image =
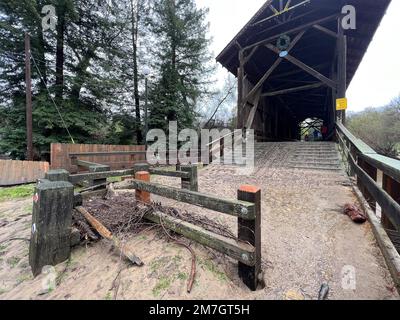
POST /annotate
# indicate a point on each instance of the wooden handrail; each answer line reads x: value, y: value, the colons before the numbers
x: 388, y: 166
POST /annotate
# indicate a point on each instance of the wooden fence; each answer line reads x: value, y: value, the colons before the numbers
x: 60, y: 155
x: 13, y: 172
x: 57, y: 190
x: 365, y: 164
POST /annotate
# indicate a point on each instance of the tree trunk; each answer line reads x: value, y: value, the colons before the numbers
x: 60, y: 50
x: 135, y: 31
x: 40, y: 56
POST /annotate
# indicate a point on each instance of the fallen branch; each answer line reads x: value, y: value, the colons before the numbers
x: 106, y: 234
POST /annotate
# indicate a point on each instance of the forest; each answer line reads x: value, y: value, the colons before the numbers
x: 88, y: 72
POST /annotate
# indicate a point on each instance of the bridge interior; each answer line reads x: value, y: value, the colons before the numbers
x: 293, y: 59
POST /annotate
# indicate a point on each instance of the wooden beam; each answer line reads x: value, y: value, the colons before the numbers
x: 305, y: 67
x: 279, y: 12
x: 272, y: 68
x: 253, y: 111
x: 240, y: 251
x: 240, y: 79
x: 76, y: 178
x: 169, y: 173
x: 231, y: 207
x: 291, y: 90
x: 342, y: 68
x: 294, y: 30
x: 248, y: 57
x: 325, y: 30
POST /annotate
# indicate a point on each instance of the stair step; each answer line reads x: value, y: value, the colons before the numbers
x: 317, y: 168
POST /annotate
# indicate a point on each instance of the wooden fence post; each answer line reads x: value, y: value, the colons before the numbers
x: 57, y: 175
x: 249, y: 231
x: 392, y: 187
x: 142, y: 196
x: 51, y: 224
x: 373, y: 173
x: 190, y: 183
x: 101, y: 168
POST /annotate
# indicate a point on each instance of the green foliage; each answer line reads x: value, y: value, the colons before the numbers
x: 90, y: 70
x: 162, y: 284
x: 182, y: 62
x: 19, y: 192
x: 380, y: 128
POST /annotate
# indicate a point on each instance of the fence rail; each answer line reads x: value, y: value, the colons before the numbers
x: 378, y: 181
x: 57, y: 189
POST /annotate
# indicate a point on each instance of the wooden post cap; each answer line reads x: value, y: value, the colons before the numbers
x: 249, y: 188
x: 143, y: 176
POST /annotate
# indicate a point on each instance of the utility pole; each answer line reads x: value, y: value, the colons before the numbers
x: 28, y: 81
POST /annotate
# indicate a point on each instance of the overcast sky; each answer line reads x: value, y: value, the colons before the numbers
x: 376, y: 82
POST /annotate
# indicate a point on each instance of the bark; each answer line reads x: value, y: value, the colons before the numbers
x: 135, y: 31
x: 60, y: 50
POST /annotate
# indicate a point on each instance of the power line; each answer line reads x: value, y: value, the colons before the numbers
x: 48, y: 91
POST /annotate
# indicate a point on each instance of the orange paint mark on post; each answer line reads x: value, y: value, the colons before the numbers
x: 249, y: 188
x: 143, y: 196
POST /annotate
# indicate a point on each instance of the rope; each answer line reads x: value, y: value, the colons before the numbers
x: 55, y: 104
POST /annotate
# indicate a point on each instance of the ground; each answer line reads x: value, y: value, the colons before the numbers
x: 306, y: 241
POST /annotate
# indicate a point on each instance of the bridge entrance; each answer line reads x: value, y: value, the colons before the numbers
x: 293, y: 60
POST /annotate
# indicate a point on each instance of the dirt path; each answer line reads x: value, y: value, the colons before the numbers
x: 306, y: 241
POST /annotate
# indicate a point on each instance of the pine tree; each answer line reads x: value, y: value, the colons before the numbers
x: 181, y: 64
x: 82, y: 63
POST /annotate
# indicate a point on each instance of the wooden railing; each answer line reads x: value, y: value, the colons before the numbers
x: 55, y: 198
x: 378, y: 181
x: 362, y: 161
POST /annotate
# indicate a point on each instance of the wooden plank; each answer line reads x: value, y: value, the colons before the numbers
x: 360, y: 145
x: 388, y: 205
x: 76, y: 178
x: 389, y: 166
x: 235, y: 208
x: 239, y: 251
x: 292, y: 90
x: 167, y: 173
x: 15, y: 172
x: 96, y: 153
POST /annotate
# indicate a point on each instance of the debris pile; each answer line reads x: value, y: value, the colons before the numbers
x: 355, y: 213
x: 119, y: 216
x: 124, y: 216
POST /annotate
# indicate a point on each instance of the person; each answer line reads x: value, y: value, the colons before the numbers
x: 315, y: 135
x: 307, y: 137
x: 324, y: 131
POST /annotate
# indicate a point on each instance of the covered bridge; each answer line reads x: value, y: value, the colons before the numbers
x: 295, y: 58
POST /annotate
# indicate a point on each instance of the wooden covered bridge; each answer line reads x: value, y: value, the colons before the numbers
x: 294, y: 58
x: 293, y: 61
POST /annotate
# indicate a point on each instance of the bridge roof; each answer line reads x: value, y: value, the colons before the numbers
x: 316, y: 49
